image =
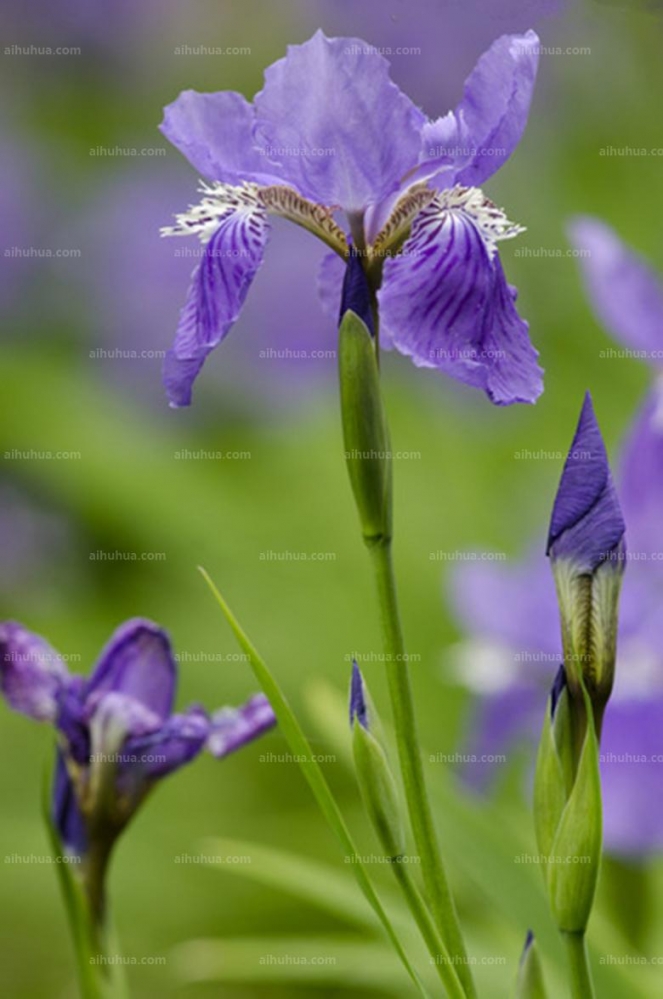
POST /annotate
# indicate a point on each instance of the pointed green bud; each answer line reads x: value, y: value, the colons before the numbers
x: 365, y: 432
x: 529, y: 983
x: 567, y: 810
x: 374, y: 776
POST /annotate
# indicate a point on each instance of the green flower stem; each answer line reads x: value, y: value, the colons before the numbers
x: 444, y: 964
x: 437, y: 888
x: 582, y: 986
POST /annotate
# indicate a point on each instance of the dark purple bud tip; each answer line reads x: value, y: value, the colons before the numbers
x: 356, y: 292
x: 357, y: 698
x: 557, y: 689
x: 587, y: 526
x: 529, y: 940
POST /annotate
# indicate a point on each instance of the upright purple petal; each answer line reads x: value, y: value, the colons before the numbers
x: 358, y: 706
x: 625, y: 291
x: 587, y: 523
x: 32, y: 674
x: 445, y: 303
x: 220, y: 284
x: 137, y: 662
x: 65, y: 813
x: 233, y: 728
x: 470, y: 144
x: 339, y: 128
x: 215, y: 133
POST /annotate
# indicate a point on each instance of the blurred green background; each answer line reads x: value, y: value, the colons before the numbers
x: 125, y: 491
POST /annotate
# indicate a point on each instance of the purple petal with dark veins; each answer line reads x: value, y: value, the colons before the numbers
x: 587, y: 525
x: 32, y: 674
x: 471, y: 143
x: 340, y: 129
x: 137, y: 662
x: 232, y: 728
x: 445, y: 303
x: 625, y: 291
x: 219, y: 287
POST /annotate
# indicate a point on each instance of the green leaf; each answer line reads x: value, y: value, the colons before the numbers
x: 299, y: 745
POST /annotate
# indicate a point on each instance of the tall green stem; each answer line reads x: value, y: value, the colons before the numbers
x: 582, y: 986
x: 437, y: 887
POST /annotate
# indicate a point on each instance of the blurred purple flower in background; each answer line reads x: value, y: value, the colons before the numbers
x: 117, y: 733
x: 331, y: 131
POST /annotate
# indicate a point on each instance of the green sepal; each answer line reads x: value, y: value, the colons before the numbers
x: 379, y: 791
x: 365, y: 432
x: 530, y: 983
x: 572, y: 886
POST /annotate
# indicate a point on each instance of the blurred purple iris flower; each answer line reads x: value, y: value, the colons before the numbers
x: 329, y: 133
x: 117, y: 734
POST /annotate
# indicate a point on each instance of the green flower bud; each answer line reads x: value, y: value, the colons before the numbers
x: 529, y: 984
x: 376, y: 781
x: 365, y: 433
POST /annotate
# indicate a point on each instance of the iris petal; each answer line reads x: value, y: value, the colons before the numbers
x: 32, y: 674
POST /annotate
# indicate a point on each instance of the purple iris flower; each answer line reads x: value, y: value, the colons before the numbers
x: 510, y: 613
x: 117, y: 734
x: 333, y: 145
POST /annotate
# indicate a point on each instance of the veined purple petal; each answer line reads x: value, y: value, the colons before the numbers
x: 215, y: 133
x: 219, y: 287
x: 470, y: 144
x: 233, y: 728
x: 358, y: 708
x: 137, y: 662
x: 32, y: 674
x: 65, y: 813
x: 587, y: 525
x: 178, y: 741
x: 339, y: 128
x: 445, y: 303
x: 625, y: 291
